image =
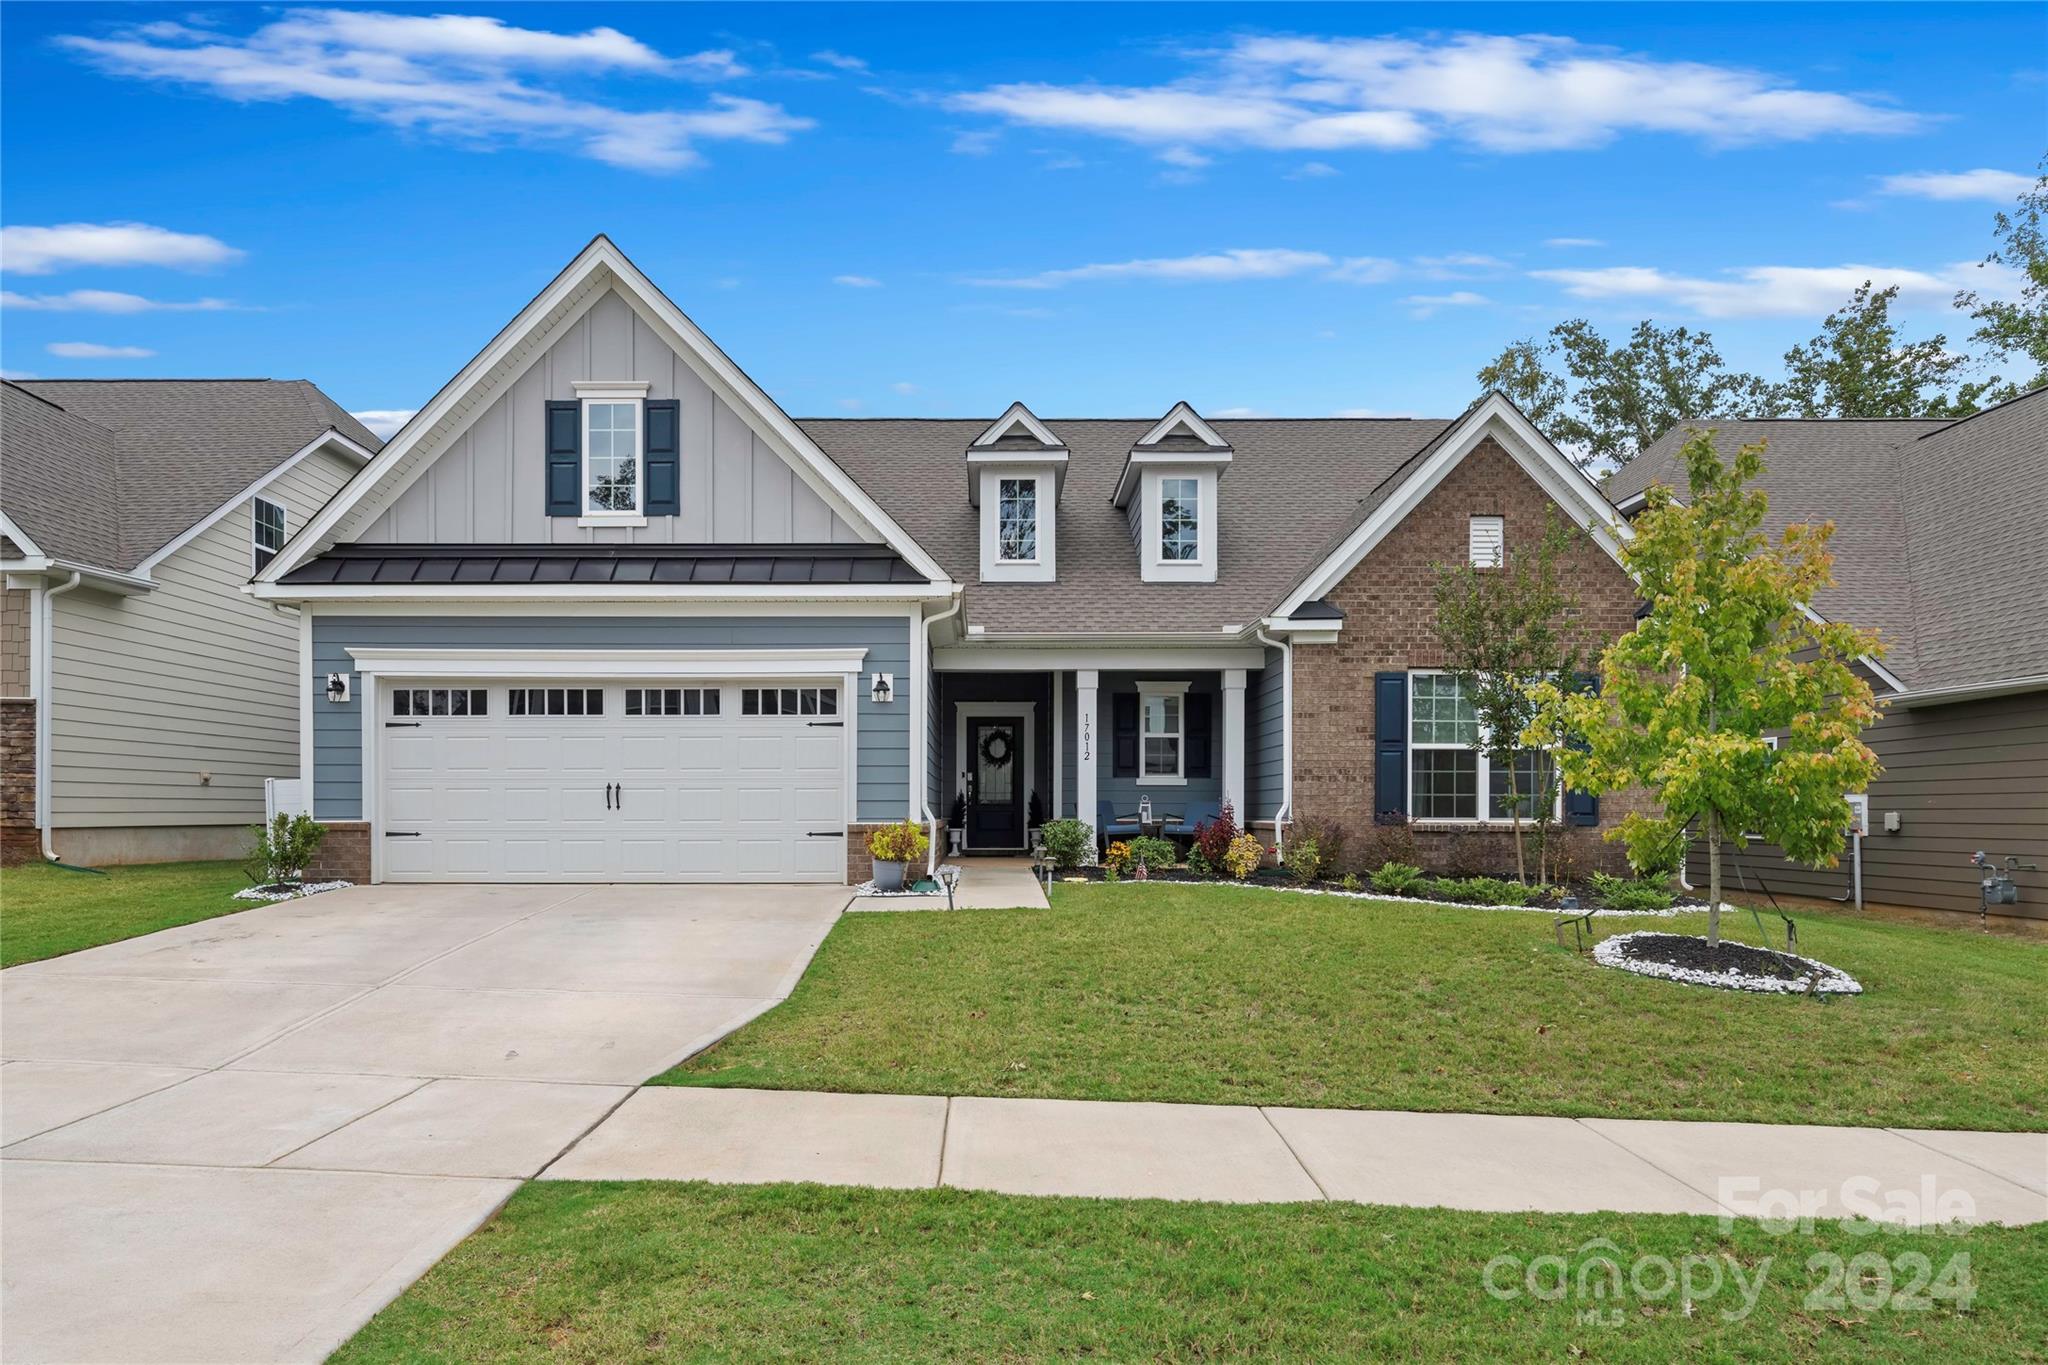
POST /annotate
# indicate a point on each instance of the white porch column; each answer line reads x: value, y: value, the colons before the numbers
x: 1085, y: 722
x: 1059, y: 721
x: 1233, y: 744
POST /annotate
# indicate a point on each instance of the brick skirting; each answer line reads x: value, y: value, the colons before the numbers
x: 344, y: 854
x: 860, y: 867
x: 19, y: 841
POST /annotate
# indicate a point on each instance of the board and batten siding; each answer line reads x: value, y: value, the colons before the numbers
x: 196, y: 678
x: 882, y: 766
x: 488, y: 486
x: 1966, y: 776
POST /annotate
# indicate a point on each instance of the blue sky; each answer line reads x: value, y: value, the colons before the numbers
x: 933, y: 210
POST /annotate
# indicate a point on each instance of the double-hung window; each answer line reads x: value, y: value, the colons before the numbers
x: 267, y: 537
x: 1162, y: 736
x: 1017, y: 521
x: 1180, y: 520
x: 611, y: 457
x: 1450, y: 775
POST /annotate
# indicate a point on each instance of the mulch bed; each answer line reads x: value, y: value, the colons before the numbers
x: 1727, y: 965
x: 1278, y: 878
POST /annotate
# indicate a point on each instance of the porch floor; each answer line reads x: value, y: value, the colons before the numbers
x: 985, y: 884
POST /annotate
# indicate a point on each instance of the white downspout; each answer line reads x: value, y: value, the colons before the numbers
x: 1286, y: 648
x: 44, y: 640
x: 926, y: 685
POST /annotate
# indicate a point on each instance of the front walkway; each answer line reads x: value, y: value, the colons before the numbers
x: 985, y: 884
x: 1485, y: 1162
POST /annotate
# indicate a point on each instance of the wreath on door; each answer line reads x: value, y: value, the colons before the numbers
x: 995, y: 749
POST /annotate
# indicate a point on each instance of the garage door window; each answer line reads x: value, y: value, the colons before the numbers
x: 440, y: 701
x: 671, y: 701
x: 789, y: 701
x: 556, y: 701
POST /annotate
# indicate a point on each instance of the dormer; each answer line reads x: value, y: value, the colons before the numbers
x: 1168, y: 493
x: 1015, y: 471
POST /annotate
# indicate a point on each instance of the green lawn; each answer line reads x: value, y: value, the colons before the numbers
x: 631, y: 1272
x: 1254, y: 997
x: 46, y: 911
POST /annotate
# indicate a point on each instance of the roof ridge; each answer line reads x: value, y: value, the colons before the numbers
x: 2014, y: 401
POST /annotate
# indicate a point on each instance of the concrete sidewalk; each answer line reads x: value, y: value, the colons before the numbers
x: 1487, y: 1162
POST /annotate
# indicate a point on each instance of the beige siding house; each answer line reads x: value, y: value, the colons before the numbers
x: 147, y: 696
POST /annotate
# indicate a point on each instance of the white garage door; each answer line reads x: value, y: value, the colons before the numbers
x: 656, y: 782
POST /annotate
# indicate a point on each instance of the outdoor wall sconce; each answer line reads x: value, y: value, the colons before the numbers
x: 881, y: 687
x: 337, y: 687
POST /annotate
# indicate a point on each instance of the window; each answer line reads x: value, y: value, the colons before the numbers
x: 1487, y: 542
x: 1180, y: 502
x: 671, y: 701
x: 1450, y: 778
x: 556, y: 701
x: 268, y: 535
x: 1160, y: 735
x: 611, y: 457
x: 440, y: 701
x: 789, y: 701
x: 1017, y: 520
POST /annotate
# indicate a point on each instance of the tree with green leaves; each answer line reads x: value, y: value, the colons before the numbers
x: 1726, y: 654
x: 1859, y: 366
x: 1503, y: 629
x: 2017, y: 329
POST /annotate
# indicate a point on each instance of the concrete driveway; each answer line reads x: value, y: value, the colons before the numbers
x: 236, y: 1140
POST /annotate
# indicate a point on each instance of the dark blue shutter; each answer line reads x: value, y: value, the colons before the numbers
x: 664, y: 458
x: 1390, y: 769
x: 1583, y: 808
x: 564, y: 459
x: 1123, y: 709
x: 1200, y: 720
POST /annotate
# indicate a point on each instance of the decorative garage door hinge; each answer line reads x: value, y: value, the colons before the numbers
x: 401, y: 725
x: 401, y: 834
x: 827, y: 834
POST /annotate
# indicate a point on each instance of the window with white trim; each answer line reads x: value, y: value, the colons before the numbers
x: 440, y: 701
x: 611, y: 457
x: 267, y: 531
x: 789, y: 701
x: 555, y: 701
x: 1487, y: 542
x: 1450, y: 776
x: 671, y: 701
x: 1180, y: 520
x: 1161, y: 736
x: 1017, y: 521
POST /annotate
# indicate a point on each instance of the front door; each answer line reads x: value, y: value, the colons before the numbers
x: 995, y: 783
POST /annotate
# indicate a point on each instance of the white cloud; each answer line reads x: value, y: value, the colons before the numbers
x: 1996, y: 186
x: 93, y: 350
x: 106, y: 301
x: 1427, y: 305
x: 1313, y: 170
x: 1778, y: 290
x: 857, y: 281
x: 903, y: 387
x: 1240, y: 412
x: 1502, y: 94
x: 451, y: 76
x: 1570, y: 242
x: 385, y: 422
x: 1184, y: 157
x: 1269, y: 263
x: 978, y: 142
x: 41, y: 250
x: 1458, y: 265
x: 851, y: 404
x: 17, y: 374
x: 1365, y: 270
x: 840, y: 60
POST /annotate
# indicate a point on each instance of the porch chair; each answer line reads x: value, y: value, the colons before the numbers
x: 1183, y: 825
x: 1109, y: 827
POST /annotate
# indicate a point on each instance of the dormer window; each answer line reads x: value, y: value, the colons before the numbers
x: 1168, y: 490
x: 1014, y: 472
x: 1017, y: 521
x: 1180, y: 520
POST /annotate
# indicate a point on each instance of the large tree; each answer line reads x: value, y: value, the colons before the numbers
x: 1859, y: 366
x: 1725, y: 655
x: 2017, y: 329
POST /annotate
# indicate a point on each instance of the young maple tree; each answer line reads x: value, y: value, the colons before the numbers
x: 1726, y: 654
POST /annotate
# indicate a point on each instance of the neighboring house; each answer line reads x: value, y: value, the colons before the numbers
x: 146, y: 695
x: 602, y: 611
x: 1941, y: 546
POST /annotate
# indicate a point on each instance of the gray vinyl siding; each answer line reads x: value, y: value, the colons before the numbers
x: 487, y: 487
x: 1265, y: 720
x: 196, y: 677
x: 883, y: 735
x: 1123, y: 793
x: 1967, y: 776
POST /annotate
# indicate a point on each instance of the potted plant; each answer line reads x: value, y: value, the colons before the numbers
x: 893, y: 847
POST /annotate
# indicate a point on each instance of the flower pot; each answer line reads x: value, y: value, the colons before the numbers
x: 888, y: 875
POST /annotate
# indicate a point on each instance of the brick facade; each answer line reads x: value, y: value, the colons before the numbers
x: 344, y: 854
x: 19, y: 842
x: 860, y: 867
x: 1389, y: 605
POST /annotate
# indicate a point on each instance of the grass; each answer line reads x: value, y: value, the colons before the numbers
x: 631, y: 1272
x: 46, y: 911
x: 1238, y: 996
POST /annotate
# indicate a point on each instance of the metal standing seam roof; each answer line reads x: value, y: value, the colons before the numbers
x: 531, y: 565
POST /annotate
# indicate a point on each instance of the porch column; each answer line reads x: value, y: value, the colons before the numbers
x: 1084, y: 747
x: 1233, y: 744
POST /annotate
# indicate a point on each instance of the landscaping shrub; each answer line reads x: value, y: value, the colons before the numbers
x: 1398, y: 879
x: 1619, y: 893
x: 1116, y: 859
x: 1501, y: 891
x: 1198, y: 862
x: 903, y: 842
x: 1474, y: 853
x: 1326, y: 837
x: 1213, y: 837
x: 1243, y: 856
x: 1155, y: 854
x: 1068, y: 842
x: 283, y: 849
x: 1393, y: 842
x: 1350, y: 882
x: 1304, y: 857
x: 1568, y: 855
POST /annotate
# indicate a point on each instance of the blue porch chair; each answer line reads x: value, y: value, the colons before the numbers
x: 1109, y: 827
x: 1195, y: 813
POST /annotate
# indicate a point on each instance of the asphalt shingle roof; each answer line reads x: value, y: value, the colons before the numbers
x: 107, y: 472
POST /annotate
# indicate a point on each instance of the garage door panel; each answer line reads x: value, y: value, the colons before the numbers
x: 817, y: 807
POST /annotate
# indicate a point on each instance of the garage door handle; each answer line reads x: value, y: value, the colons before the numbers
x: 825, y: 834
x: 619, y: 794
x: 828, y: 724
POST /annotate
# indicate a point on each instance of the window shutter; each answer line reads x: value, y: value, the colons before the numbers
x: 1390, y: 771
x: 1123, y: 707
x: 564, y: 459
x: 1583, y: 808
x: 664, y: 458
x: 1198, y: 722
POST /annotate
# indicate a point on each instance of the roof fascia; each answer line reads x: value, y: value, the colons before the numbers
x: 1945, y: 696
x: 602, y: 592
x: 1018, y: 415
x: 12, y: 530
x: 1184, y: 411
x: 1135, y: 462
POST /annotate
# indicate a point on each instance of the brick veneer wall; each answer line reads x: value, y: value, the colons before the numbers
x: 344, y: 854
x: 19, y: 842
x: 860, y: 867
x: 1389, y: 604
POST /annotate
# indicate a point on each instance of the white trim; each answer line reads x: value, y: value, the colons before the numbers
x: 1138, y: 461
x: 996, y: 659
x: 1884, y: 675
x: 1286, y: 807
x: 673, y: 593
x: 1179, y: 413
x: 100, y: 580
x: 1019, y: 478
x: 589, y: 395
x: 610, y: 390
x: 599, y: 265
x: 1482, y: 769
x: 1087, y: 778
x: 611, y: 664
x: 849, y: 758
x: 326, y: 440
x: 1178, y: 690
x: 1059, y: 720
x: 1234, y: 772
x: 997, y: 710
x: 612, y: 520
x: 12, y: 530
x: 306, y: 706
x: 1564, y: 482
x: 1044, y: 566
x: 285, y: 525
x: 1154, y: 566
x: 1014, y: 416
x: 1942, y: 696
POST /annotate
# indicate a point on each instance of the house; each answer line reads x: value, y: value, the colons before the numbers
x: 144, y: 697
x: 603, y: 611
x: 1941, y: 547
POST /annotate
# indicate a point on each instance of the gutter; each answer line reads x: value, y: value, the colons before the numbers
x: 924, y: 691
x: 1940, y: 696
x: 44, y: 617
x: 1286, y: 648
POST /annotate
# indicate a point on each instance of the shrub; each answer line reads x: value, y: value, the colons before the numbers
x: 1198, y: 862
x: 1392, y: 842
x: 1566, y: 849
x: 1475, y: 853
x: 1304, y: 857
x: 1243, y: 856
x: 1068, y: 842
x: 1117, y: 857
x: 1350, y: 882
x: 1214, y: 837
x: 1326, y: 837
x: 1154, y: 853
x: 1398, y: 879
x: 1501, y: 891
x: 283, y: 848
x: 902, y: 842
x: 1619, y: 893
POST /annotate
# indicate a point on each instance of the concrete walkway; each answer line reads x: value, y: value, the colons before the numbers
x: 1258, y: 1155
x: 985, y: 884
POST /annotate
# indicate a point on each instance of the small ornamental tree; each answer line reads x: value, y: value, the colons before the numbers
x: 1725, y: 655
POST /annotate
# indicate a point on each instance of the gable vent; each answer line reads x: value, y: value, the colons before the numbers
x: 1488, y: 542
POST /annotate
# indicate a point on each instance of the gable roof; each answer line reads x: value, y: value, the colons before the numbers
x: 106, y: 472
x: 1938, y: 538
